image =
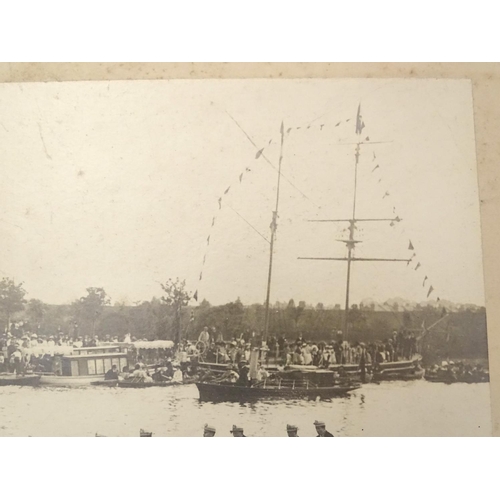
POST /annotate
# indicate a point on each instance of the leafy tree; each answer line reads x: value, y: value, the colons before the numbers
x: 36, y: 311
x: 88, y: 309
x: 11, y: 299
x: 176, y: 297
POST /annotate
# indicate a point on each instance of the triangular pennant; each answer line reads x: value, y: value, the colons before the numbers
x: 367, y: 138
x: 195, y: 296
x: 270, y: 140
x: 386, y: 194
x: 425, y: 279
x: 288, y: 131
x: 410, y: 246
x: 259, y: 152
x: 241, y: 176
x: 321, y: 126
x: 418, y: 265
x: 201, y: 275
x: 338, y: 124
x: 378, y: 166
x: 208, y: 240
x: 431, y: 289
x: 227, y: 190
x: 220, y: 203
x: 204, y: 258
x: 213, y: 222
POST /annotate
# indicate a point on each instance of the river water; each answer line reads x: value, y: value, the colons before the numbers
x: 416, y: 408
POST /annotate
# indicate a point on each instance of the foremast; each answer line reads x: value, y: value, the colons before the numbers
x: 274, y: 227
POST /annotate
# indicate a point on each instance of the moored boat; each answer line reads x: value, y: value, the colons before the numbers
x: 14, y: 379
x: 85, y: 368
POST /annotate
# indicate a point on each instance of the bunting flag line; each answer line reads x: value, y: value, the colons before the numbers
x: 410, y: 246
x: 418, y: 265
x: 431, y: 289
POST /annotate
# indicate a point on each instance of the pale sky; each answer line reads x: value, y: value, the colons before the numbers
x: 116, y: 185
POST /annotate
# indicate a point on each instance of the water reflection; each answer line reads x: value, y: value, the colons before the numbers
x: 393, y: 408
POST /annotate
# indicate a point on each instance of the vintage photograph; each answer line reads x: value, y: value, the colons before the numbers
x: 232, y: 258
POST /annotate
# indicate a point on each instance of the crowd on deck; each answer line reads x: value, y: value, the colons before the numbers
x: 399, y: 346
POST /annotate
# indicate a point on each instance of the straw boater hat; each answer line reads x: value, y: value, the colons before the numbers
x: 319, y: 423
x: 291, y: 427
x: 236, y: 429
x: 209, y: 428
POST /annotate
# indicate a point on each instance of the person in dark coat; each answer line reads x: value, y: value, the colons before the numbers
x: 112, y: 374
x: 321, y: 429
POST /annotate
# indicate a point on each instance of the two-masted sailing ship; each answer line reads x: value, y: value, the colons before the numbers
x: 310, y: 381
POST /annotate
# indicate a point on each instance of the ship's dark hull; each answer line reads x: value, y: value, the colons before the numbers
x: 230, y: 392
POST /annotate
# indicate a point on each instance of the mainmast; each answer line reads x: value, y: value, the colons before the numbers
x: 351, y: 242
x: 274, y: 226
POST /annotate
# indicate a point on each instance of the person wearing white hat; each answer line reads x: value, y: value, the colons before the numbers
x: 321, y: 429
x: 208, y: 431
x: 292, y: 430
x: 237, y: 432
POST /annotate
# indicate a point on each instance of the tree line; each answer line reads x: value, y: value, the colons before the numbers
x: 175, y: 315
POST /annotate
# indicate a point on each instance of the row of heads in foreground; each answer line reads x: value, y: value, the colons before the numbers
x: 236, y: 431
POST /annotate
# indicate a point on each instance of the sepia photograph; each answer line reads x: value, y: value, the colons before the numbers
x: 241, y: 258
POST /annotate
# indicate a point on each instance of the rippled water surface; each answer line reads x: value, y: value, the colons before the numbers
x: 415, y: 408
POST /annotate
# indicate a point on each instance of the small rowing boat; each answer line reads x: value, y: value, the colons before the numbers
x: 213, y: 391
